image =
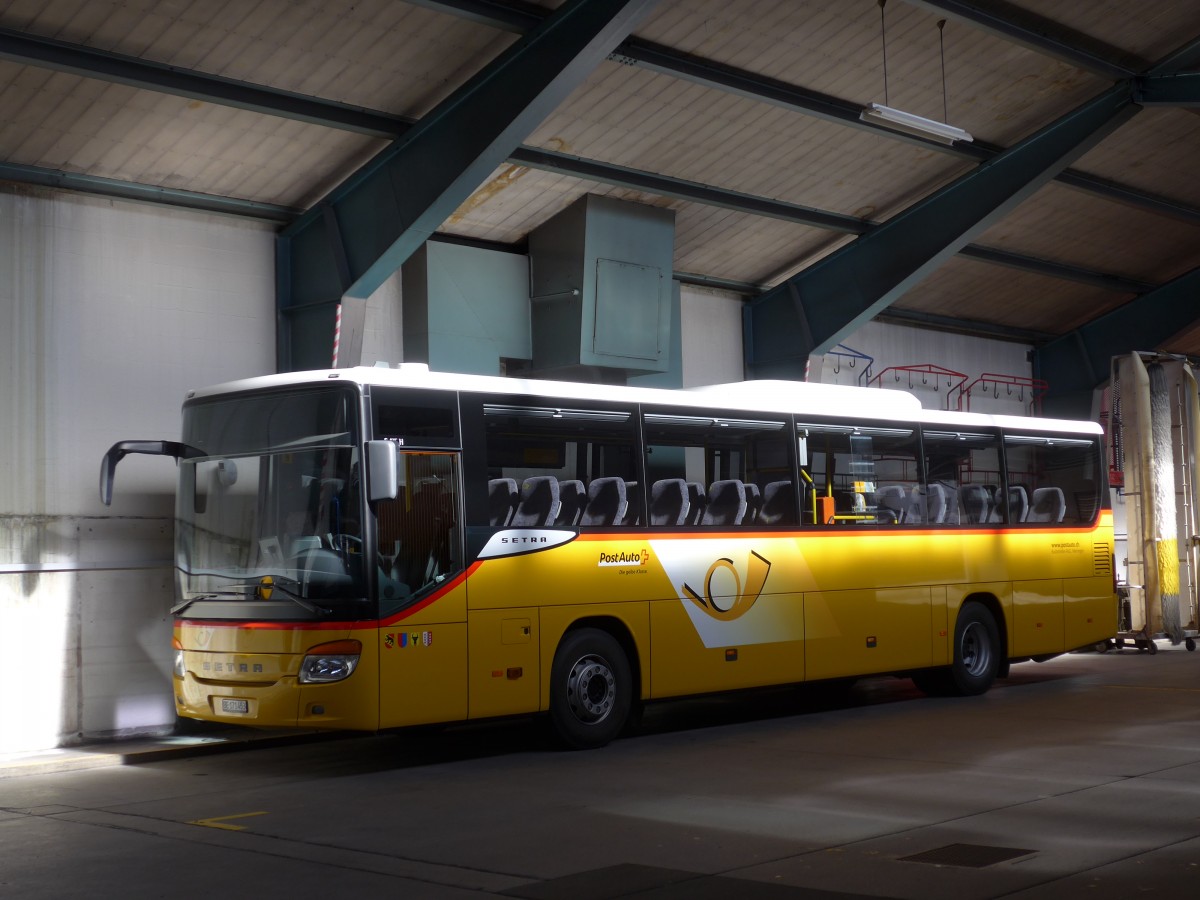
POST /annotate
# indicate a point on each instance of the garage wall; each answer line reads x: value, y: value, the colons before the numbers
x: 893, y: 346
x: 109, y: 312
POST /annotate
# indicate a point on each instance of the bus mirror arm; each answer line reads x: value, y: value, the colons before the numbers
x: 121, y: 449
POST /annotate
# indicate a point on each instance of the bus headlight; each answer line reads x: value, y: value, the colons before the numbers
x: 178, y: 657
x: 334, y: 661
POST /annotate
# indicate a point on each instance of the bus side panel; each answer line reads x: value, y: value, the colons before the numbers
x: 1037, y: 619
x: 631, y: 617
x: 505, y: 677
x: 683, y: 664
x: 939, y: 626
x: 862, y: 632
x: 422, y: 673
x: 1090, y: 610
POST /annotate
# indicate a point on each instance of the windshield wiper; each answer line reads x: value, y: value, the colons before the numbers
x: 180, y: 607
x: 301, y: 601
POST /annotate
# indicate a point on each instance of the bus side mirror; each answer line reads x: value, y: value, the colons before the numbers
x: 382, y: 461
x: 119, y: 450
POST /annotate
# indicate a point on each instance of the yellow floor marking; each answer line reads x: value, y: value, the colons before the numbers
x: 218, y: 821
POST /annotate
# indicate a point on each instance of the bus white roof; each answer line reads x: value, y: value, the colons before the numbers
x: 766, y: 396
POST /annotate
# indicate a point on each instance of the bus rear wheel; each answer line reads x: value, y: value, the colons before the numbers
x: 976, y: 656
x: 591, y: 689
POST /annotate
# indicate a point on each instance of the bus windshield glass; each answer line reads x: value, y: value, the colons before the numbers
x: 269, y: 507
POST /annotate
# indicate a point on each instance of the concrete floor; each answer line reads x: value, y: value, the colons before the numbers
x: 1075, y: 778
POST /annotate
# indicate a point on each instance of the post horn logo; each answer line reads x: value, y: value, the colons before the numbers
x: 732, y: 605
x: 266, y: 587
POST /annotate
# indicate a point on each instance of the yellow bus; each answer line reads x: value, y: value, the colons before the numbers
x: 373, y: 548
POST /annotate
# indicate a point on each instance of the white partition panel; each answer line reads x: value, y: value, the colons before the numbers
x: 109, y: 312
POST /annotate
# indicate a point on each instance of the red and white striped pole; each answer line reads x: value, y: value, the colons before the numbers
x: 337, y: 334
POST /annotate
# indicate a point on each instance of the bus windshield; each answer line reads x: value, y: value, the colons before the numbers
x: 268, y: 513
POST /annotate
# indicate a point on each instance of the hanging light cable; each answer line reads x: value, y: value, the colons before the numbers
x: 942, y: 53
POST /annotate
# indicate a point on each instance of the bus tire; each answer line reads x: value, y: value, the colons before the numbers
x: 976, y: 651
x: 977, y: 659
x: 591, y: 688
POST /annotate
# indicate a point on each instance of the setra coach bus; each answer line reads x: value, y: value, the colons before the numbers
x: 372, y: 548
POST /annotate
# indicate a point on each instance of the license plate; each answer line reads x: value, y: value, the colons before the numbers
x: 235, y: 706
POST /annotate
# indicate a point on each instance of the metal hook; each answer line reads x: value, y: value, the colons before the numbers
x: 1008, y: 389
x: 996, y: 393
x: 837, y: 365
x: 852, y: 361
x: 924, y: 378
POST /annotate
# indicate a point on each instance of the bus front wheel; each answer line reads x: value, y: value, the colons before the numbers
x: 590, y: 689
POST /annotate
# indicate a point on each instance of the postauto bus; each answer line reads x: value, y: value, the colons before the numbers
x: 372, y: 548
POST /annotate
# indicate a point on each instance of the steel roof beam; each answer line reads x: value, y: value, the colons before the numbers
x: 1180, y: 60
x: 1033, y: 31
x: 1077, y: 363
x: 834, y: 297
x: 130, y: 190
x: 1169, y: 90
x: 146, y: 75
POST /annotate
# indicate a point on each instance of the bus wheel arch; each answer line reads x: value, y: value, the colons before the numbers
x: 979, y: 646
x: 978, y: 654
x: 593, y: 684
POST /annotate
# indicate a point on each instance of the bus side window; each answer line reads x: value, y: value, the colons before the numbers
x: 862, y: 475
x: 1052, y: 479
x: 717, y: 469
x: 965, y: 467
x: 558, y: 467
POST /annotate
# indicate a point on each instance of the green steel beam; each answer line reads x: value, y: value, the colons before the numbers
x: 1042, y: 35
x: 130, y: 190
x: 831, y: 299
x: 1169, y: 90
x: 152, y: 76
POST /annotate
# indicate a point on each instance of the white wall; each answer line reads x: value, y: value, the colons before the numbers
x: 711, y: 328
x: 109, y: 312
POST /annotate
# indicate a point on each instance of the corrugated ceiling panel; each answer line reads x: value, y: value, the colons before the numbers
x: 1150, y: 29
x: 379, y: 54
x: 636, y: 118
x: 1155, y: 151
x: 997, y: 90
x: 1070, y: 226
x: 113, y: 131
x: 972, y: 290
x: 1187, y: 341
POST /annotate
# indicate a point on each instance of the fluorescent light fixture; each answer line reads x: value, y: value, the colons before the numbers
x: 898, y: 120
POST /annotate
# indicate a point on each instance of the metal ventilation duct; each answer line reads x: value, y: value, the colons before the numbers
x: 600, y: 289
